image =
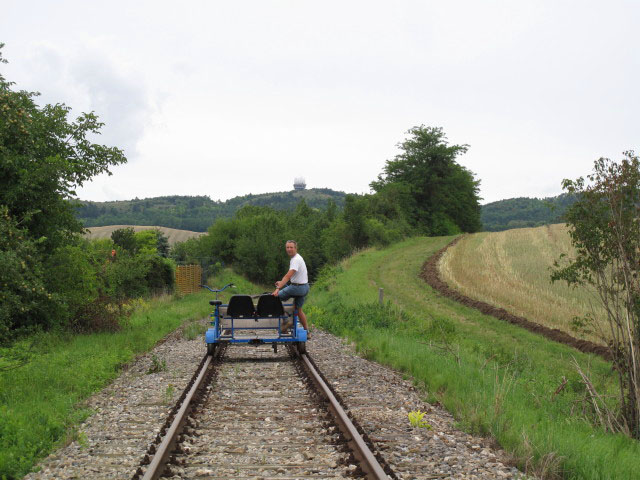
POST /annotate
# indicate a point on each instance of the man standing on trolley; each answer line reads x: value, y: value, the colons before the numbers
x: 298, y: 287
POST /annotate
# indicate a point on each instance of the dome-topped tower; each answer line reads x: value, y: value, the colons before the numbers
x: 299, y: 183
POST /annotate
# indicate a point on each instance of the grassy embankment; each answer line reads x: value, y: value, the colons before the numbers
x: 510, y: 269
x: 41, y: 401
x: 497, y: 379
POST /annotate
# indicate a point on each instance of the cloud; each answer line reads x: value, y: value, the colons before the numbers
x: 88, y: 80
x: 118, y: 99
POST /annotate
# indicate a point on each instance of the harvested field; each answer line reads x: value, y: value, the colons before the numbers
x: 431, y: 274
x: 511, y: 270
x: 173, y: 234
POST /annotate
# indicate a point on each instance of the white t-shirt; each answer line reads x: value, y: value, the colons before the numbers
x: 297, y: 264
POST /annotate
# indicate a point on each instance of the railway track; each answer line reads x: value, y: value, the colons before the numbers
x: 250, y: 413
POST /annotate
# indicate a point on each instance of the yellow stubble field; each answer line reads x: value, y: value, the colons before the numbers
x: 173, y: 234
x: 511, y: 269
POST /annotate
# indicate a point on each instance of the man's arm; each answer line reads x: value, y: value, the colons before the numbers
x: 283, y: 282
x: 285, y: 279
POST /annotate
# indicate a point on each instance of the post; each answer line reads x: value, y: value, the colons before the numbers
x: 381, y: 296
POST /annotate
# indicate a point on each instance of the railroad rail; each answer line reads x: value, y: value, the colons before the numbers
x: 249, y: 413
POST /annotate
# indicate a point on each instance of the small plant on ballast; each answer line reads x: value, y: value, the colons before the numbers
x: 157, y: 365
x: 416, y: 420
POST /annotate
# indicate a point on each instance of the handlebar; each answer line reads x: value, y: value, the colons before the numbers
x: 229, y: 285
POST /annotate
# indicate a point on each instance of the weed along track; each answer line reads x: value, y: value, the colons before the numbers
x: 260, y: 414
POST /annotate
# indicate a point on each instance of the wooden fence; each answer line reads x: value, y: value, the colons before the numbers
x: 188, y: 278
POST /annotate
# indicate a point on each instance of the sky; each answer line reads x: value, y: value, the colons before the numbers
x: 237, y: 97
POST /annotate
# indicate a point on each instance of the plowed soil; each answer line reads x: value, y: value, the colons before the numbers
x: 431, y: 275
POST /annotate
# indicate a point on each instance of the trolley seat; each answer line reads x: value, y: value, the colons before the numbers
x: 241, y: 321
x: 241, y: 314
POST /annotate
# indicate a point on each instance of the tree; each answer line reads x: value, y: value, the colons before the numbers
x: 125, y: 238
x: 442, y: 195
x: 44, y: 157
x: 604, y: 225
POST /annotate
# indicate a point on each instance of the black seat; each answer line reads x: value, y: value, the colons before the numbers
x: 270, y: 306
x: 241, y: 306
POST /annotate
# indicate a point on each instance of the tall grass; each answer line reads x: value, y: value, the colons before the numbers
x: 40, y: 400
x: 511, y: 269
x: 496, y: 378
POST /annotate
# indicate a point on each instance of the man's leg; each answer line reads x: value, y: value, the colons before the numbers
x: 303, y: 319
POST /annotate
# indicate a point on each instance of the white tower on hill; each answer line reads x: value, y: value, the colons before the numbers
x: 299, y: 183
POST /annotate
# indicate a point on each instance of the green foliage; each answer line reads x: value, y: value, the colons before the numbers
x: 24, y: 299
x: 440, y: 196
x: 146, y: 242
x: 162, y: 244
x: 41, y: 401
x: 196, y: 213
x: 253, y: 241
x: 125, y: 238
x: 74, y: 281
x: 157, y: 365
x: 416, y: 419
x: 525, y: 212
x: 605, y: 231
x: 44, y: 157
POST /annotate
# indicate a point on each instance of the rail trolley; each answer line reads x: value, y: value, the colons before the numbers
x: 253, y: 320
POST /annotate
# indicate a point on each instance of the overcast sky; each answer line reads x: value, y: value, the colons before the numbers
x: 230, y: 98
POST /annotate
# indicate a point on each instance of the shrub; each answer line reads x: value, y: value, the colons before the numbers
x: 25, y: 302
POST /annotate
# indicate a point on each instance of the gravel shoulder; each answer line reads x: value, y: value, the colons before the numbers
x: 380, y: 400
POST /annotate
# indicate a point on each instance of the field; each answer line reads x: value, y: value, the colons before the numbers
x: 497, y: 379
x: 511, y: 269
x: 174, y: 235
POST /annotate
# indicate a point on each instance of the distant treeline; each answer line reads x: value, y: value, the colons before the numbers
x: 524, y: 212
x: 196, y: 213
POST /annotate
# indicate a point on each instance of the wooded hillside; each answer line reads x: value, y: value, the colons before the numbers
x: 195, y: 213
x: 524, y: 212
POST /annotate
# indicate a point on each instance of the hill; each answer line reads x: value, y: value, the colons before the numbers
x: 524, y: 212
x: 194, y: 213
x: 174, y: 235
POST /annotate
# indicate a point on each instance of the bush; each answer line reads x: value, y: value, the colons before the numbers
x: 73, y: 280
x: 25, y: 302
x: 160, y: 276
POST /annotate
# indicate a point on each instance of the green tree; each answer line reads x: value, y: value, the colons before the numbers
x: 146, y: 242
x: 125, y: 238
x: 440, y: 195
x: 44, y: 157
x: 605, y: 230
x: 162, y: 244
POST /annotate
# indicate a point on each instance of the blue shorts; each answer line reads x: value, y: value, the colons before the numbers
x: 298, y: 292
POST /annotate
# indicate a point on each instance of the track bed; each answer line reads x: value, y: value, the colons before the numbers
x: 259, y: 419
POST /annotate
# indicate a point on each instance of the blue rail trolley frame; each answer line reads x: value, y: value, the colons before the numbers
x: 227, y: 326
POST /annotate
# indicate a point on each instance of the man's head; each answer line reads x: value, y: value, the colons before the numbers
x: 292, y: 247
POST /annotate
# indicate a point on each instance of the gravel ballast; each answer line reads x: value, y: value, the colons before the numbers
x: 130, y: 411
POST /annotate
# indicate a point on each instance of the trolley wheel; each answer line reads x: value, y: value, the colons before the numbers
x: 302, y: 347
x: 211, y: 349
